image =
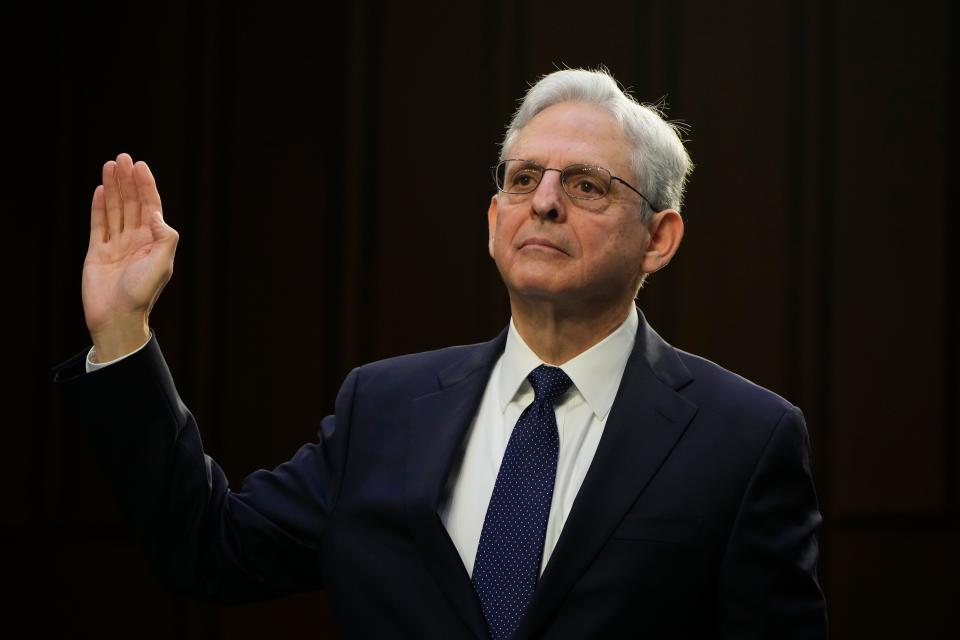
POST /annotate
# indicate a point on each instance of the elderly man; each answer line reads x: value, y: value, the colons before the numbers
x: 575, y: 477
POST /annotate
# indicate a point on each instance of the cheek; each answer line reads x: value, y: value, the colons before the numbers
x: 620, y: 251
x: 505, y: 230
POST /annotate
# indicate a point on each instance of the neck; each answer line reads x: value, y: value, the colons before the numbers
x: 557, y: 335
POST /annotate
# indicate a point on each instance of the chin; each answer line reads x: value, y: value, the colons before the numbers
x: 537, y: 281
x: 544, y: 290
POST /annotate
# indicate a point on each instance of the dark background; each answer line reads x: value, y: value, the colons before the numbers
x: 287, y: 142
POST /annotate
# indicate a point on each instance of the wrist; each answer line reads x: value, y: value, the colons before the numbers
x: 123, y: 336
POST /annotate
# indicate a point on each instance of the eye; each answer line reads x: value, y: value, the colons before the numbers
x: 586, y: 187
x: 521, y: 176
x: 523, y: 179
x: 586, y: 182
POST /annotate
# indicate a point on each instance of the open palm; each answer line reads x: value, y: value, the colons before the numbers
x: 130, y: 255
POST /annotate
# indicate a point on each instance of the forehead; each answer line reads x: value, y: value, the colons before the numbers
x: 573, y: 132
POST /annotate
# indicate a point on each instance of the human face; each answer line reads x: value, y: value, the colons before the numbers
x: 581, y: 255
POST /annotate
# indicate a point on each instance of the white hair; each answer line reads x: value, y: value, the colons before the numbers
x: 659, y: 160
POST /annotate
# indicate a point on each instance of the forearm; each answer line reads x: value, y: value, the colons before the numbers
x: 203, y: 539
x: 149, y: 449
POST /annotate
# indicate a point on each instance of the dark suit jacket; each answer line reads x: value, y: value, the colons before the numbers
x: 695, y: 520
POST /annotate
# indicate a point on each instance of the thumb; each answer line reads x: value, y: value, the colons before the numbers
x: 163, y: 234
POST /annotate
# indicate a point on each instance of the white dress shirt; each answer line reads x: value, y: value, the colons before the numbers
x: 581, y: 416
x: 93, y: 365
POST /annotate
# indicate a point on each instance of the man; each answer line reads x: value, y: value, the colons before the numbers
x: 576, y: 477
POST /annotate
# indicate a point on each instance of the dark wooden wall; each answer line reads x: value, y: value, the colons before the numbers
x: 819, y: 259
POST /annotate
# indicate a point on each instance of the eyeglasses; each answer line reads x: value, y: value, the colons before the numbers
x: 580, y: 181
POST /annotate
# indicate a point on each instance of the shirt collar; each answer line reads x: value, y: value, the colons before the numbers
x: 596, y: 373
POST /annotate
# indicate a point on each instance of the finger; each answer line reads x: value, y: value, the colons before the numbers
x: 98, y: 217
x: 165, y: 235
x: 166, y: 238
x: 111, y: 196
x: 128, y: 192
x: 147, y: 190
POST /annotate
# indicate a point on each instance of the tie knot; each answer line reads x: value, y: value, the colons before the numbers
x: 549, y: 383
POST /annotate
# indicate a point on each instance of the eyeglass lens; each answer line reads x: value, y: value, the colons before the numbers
x: 579, y: 180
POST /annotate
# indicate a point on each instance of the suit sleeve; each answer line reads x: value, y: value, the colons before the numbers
x: 203, y: 539
x: 768, y: 583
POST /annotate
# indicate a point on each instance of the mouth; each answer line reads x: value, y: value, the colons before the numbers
x: 540, y: 244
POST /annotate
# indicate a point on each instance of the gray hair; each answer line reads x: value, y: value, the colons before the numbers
x: 659, y: 160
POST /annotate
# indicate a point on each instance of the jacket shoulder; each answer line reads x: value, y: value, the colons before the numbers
x: 434, y: 360
x: 419, y: 372
x: 721, y: 390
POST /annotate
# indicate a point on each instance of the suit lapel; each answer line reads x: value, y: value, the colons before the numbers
x: 438, y: 426
x: 647, y: 420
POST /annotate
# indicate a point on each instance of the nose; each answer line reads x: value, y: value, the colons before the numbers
x: 548, y: 202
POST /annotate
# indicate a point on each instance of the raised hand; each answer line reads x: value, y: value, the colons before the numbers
x: 129, y: 259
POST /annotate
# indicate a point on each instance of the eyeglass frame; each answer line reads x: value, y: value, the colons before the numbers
x: 493, y: 171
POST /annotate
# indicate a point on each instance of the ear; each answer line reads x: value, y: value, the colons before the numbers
x: 491, y: 223
x: 666, y: 232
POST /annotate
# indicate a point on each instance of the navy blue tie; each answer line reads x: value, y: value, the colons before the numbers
x: 508, y: 559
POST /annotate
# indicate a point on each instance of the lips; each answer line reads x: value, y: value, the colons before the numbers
x: 540, y: 242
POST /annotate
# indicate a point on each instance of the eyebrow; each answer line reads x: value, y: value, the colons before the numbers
x: 564, y: 165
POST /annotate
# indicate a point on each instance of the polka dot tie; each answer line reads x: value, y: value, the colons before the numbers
x: 511, y: 544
